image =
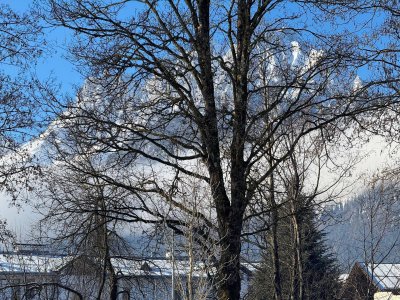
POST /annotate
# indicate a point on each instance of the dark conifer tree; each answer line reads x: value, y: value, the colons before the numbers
x: 320, y: 271
x: 320, y: 267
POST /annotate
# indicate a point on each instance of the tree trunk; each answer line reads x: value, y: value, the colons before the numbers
x: 229, y: 282
x: 297, y: 282
x: 113, y: 287
x: 296, y: 221
x: 275, y: 256
x: 274, y: 226
x: 229, y: 211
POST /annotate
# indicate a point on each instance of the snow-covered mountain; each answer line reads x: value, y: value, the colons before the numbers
x: 57, y: 140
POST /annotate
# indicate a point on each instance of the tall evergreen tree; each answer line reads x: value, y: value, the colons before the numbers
x: 319, y: 269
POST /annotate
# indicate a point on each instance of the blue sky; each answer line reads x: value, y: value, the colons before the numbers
x: 54, y: 62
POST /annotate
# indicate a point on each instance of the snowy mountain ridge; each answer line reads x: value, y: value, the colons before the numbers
x: 43, y: 150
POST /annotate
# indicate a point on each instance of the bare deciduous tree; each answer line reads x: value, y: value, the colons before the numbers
x: 180, y: 84
x: 81, y: 213
x: 20, y: 47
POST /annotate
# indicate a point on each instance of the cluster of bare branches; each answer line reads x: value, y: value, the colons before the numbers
x: 222, y: 93
x: 209, y: 118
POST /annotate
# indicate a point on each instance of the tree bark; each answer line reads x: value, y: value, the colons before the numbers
x: 297, y: 281
x: 229, y: 212
x: 229, y: 283
x: 275, y: 256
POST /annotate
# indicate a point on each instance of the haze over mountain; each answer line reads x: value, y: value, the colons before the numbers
x: 368, y: 157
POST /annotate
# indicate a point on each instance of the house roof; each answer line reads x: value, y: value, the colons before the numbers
x: 156, y: 267
x: 17, y: 263
x: 385, y: 276
x: 22, y: 263
x: 129, y: 267
x: 343, y: 277
x: 163, y: 267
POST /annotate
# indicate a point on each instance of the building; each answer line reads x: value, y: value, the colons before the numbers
x: 35, y: 274
x: 367, y: 281
x: 31, y: 276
